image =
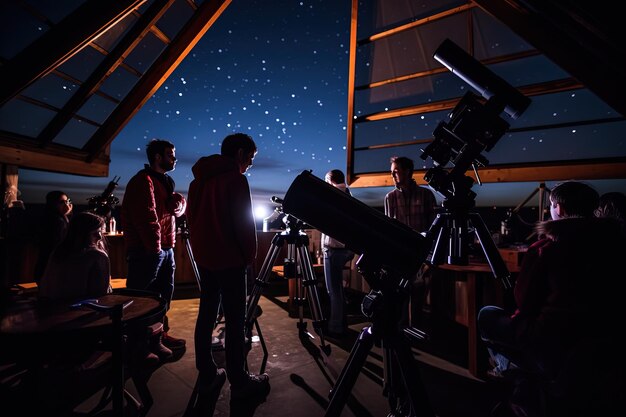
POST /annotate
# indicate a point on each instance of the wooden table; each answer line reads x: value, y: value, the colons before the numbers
x: 32, y: 332
x: 467, y: 308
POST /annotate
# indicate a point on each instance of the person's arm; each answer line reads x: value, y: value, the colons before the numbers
x: 99, y: 280
x: 176, y: 204
x: 529, y: 290
x: 243, y: 220
x: 142, y: 210
x: 387, y: 206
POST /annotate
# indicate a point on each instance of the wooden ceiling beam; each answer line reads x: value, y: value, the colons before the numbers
x: 56, y: 158
x: 577, y: 36
x: 165, y: 64
x: 605, y: 168
x: 60, y: 43
x: 134, y: 36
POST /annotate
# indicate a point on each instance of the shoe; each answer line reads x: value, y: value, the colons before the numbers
x: 151, y: 359
x: 208, y: 384
x: 158, y: 348
x: 172, y: 342
x: 253, y: 386
x: 495, y: 374
x: 217, y: 343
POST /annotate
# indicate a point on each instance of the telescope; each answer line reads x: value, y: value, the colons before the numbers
x: 479, y: 77
x: 381, y: 240
x: 473, y: 126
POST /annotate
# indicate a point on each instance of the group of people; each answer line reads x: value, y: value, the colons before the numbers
x: 222, y: 232
x: 554, y: 296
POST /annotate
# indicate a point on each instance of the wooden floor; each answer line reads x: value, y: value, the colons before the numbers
x: 302, y: 375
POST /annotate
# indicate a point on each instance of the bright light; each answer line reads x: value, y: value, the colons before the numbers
x: 260, y: 212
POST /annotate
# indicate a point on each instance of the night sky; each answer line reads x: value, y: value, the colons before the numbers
x: 277, y: 71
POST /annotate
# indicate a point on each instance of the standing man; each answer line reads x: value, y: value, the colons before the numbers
x: 149, y: 212
x: 414, y: 206
x: 223, y: 235
x: 336, y: 255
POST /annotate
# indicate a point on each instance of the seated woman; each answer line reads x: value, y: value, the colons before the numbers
x: 79, y: 267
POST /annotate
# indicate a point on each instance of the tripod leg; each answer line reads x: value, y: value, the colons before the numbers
x: 500, y: 271
x: 192, y: 260
x: 261, y: 280
x: 350, y: 372
x: 309, y: 282
x: 413, y: 389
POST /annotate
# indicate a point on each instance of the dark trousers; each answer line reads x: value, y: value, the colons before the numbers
x: 334, y: 261
x: 152, y: 272
x: 229, y: 286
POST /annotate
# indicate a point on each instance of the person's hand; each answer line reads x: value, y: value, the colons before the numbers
x: 176, y: 204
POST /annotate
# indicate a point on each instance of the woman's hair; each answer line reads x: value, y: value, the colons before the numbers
x: 79, y: 233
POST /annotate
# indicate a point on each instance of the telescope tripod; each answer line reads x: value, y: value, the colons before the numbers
x: 298, y: 266
x: 454, y: 226
x: 402, y: 384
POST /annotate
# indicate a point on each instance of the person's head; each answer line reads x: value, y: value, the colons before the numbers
x: 335, y: 177
x: 612, y: 204
x: 84, y: 231
x: 573, y: 199
x: 401, y: 170
x: 241, y: 148
x: 58, y: 202
x: 161, y: 155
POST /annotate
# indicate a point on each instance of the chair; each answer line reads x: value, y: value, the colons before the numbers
x: 63, y: 369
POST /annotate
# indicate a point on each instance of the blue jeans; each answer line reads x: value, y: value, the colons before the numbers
x: 334, y: 261
x: 152, y: 272
x: 229, y: 286
x: 497, y: 331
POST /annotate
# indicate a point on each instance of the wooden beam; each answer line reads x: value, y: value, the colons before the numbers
x: 351, y: 81
x: 60, y: 43
x: 548, y: 87
x: 54, y: 159
x: 165, y: 64
x: 106, y: 67
x: 588, y: 48
x: 606, y: 168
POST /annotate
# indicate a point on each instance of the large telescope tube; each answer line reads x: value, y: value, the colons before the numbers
x: 384, y: 241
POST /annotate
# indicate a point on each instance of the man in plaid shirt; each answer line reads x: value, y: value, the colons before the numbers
x: 414, y: 206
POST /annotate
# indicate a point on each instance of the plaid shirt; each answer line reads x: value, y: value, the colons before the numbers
x: 413, y: 206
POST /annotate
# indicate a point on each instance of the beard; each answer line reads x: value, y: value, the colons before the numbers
x: 167, y: 166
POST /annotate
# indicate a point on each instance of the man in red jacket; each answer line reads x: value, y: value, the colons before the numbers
x: 149, y: 210
x: 223, y: 236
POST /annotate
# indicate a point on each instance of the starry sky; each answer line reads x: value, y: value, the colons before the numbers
x: 277, y: 71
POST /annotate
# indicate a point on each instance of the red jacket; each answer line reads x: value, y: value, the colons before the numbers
x: 149, y: 210
x: 222, y: 230
x: 572, y: 282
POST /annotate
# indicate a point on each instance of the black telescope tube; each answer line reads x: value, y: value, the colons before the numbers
x: 482, y: 79
x: 382, y: 240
